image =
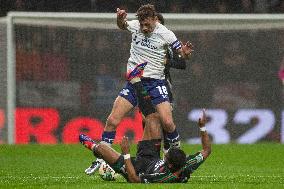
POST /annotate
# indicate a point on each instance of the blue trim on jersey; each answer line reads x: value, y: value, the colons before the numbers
x: 176, y: 45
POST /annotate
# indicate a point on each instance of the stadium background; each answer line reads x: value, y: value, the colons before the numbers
x: 67, y: 78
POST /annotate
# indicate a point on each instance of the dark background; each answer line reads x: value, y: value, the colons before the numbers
x: 80, y: 71
x: 169, y: 6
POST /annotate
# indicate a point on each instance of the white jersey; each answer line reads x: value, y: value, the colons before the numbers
x: 151, y: 49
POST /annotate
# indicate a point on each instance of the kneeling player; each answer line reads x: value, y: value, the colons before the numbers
x: 147, y: 167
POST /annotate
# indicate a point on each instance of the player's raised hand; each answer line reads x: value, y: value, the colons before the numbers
x: 202, y: 120
x: 121, y: 19
x: 121, y: 13
x: 125, y: 145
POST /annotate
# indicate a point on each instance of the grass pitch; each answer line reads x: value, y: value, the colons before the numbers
x: 62, y: 166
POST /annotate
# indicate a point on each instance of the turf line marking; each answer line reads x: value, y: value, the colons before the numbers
x: 258, y: 176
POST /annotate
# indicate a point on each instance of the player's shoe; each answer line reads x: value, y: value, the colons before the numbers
x: 94, y: 167
x: 168, y: 145
x: 175, y: 144
x: 137, y: 71
x: 86, y: 141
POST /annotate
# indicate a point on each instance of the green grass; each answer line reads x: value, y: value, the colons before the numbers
x: 62, y: 166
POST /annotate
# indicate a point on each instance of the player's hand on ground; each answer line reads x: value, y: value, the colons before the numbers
x: 187, y: 48
x: 121, y: 13
x: 125, y: 145
x: 202, y: 120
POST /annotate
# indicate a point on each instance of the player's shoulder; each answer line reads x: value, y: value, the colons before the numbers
x: 165, y: 33
x: 161, y: 29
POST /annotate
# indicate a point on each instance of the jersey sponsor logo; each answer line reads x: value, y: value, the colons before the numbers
x: 145, y: 43
x: 135, y: 40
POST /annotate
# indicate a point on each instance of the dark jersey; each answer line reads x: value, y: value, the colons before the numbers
x: 158, y: 172
x: 192, y: 163
x: 174, y: 61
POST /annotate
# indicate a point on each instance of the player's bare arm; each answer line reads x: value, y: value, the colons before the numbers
x: 205, y: 140
x: 132, y: 177
x: 121, y: 19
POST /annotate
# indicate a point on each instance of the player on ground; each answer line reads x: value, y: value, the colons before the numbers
x: 149, y: 42
x: 147, y: 167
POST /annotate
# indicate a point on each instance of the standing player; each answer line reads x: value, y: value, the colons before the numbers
x: 173, y: 60
x: 147, y: 167
x: 150, y: 40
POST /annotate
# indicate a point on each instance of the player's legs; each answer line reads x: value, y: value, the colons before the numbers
x: 153, y: 133
x: 100, y: 150
x: 151, y: 121
x: 152, y: 129
x: 166, y: 142
x: 122, y: 105
x: 164, y: 110
x: 159, y: 98
x: 106, y: 153
x: 120, y: 108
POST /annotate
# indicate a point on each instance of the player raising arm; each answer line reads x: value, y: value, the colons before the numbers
x: 149, y: 42
x: 147, y: 167
x: 147, y: 28
x: 179, y: 167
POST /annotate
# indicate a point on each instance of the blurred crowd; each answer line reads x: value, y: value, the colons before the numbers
x: 76, y: 70
x: 177, y: 6
x: 229, y: 61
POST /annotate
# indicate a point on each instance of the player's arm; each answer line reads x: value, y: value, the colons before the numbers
x: 121, y: 19
x: 193, y: 162
x: 205, y: 140
x: 176, y: 61
x: 132, y: 177
x: 184, y: 50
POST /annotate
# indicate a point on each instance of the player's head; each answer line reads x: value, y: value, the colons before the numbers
x: 175, y: 159
x: 160, y: 18
x: 146, y: 15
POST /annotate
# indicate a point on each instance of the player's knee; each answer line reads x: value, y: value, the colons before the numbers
x: 96, y: 151
x: 112, y: 122
x: 168, y: 125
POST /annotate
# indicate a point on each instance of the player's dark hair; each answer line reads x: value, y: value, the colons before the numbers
x: 177, y: 158
x: 146, y: 11
x: 160, y: 18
